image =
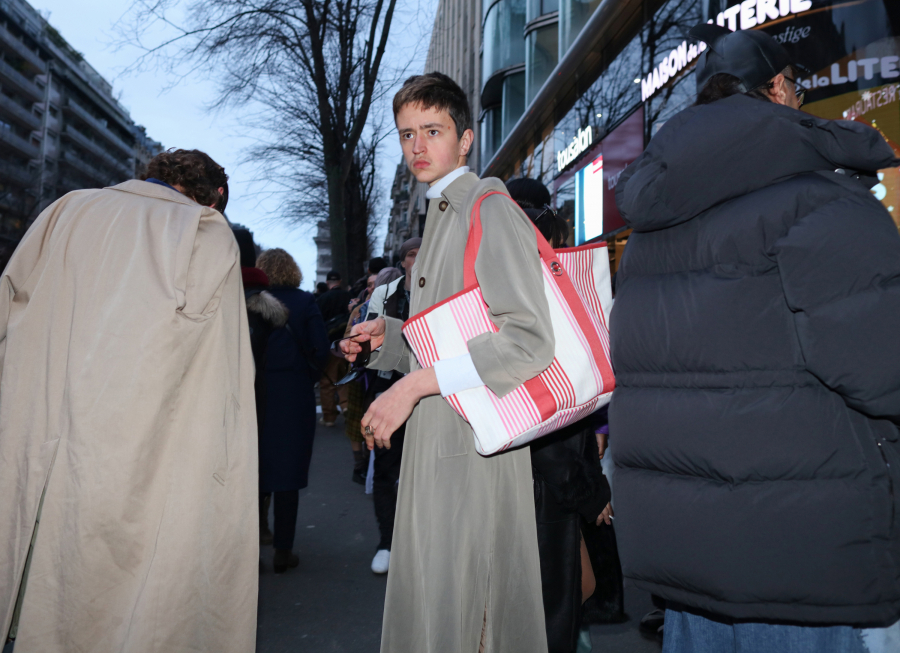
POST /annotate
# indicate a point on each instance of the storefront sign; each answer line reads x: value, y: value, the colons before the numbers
x: 744, y: 15
x: 579, y: 144
x: 677, y: 61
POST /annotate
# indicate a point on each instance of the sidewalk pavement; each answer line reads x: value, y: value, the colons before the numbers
x: 333, y: 602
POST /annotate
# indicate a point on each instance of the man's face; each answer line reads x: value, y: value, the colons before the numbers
x: 410, y: 260
x: 370, y: 284
x: 430, y: 144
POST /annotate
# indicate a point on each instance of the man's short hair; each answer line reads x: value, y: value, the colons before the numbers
x: 334, y: 275
x: 193, y: 170
x: 438, y: 91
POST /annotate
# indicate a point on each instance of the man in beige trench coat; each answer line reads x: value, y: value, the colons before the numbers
x: 465, y: 573
x: 127, y: 423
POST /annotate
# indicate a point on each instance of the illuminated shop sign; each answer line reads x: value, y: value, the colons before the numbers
x: 744, y: 15
x: 589, y: 201
x: 581, y: 142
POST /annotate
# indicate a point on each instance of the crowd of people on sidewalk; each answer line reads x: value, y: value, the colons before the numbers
x: 158, y: 379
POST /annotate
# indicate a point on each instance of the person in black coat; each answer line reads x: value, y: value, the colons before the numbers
x: 755, y: 343
x: 576, y: 541
x: 296, y: 353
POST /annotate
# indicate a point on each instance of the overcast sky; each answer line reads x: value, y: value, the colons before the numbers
x: 176, y: 117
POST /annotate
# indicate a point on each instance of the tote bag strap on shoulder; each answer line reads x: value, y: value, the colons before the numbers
x: 548, y: 255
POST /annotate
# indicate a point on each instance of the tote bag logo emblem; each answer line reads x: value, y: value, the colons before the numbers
x: 580, y: 380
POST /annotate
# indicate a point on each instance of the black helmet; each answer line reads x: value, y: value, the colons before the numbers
x: 752, y: 56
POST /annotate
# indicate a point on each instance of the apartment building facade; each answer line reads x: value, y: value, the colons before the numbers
x: 61, y: 128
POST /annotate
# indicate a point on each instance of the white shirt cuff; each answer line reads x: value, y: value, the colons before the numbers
x: 457, y: 374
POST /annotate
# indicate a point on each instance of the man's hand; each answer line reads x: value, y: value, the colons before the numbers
x: 371, y: 330
x: 605, y: 515
x: 602, y: 439
x: 392, y: 408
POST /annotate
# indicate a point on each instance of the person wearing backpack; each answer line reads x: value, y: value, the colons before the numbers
x: 464, y: 569
x: 755, y: 342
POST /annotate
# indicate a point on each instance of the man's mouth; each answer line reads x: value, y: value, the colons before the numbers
x: 421, y: 164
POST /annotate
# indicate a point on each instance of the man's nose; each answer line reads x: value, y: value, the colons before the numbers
x: 418, y: 144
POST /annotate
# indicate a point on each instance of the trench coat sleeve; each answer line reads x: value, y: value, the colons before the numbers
x: 208, y: 270
x: 841, y: 280
x: 508, y: 269
x: 24, y: 261
x: 394, y: 353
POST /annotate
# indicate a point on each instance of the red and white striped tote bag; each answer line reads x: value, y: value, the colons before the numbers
x: 580, y: 378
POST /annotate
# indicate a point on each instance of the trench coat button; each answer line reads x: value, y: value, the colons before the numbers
x: 421, y: 282
x: 443, y: 205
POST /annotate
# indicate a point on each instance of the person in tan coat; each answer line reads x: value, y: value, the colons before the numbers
x: 464, y: 570
x: 128, y: 462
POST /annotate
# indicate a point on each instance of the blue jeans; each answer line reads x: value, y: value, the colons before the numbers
x: 685, y: 632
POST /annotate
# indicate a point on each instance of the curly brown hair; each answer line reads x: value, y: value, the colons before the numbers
x: 195, y: 172
x: 280, y: 267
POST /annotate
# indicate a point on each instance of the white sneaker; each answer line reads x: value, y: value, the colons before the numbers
x: 381, y: 561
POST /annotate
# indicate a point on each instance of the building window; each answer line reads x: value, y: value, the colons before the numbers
x: 538, y: 8
x: 504, y: 24
x: 513, y: 101
x: 573, y: 16
x: 541, y: 57
x: 491, y: 134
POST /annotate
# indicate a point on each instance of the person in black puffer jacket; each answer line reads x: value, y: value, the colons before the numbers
x: 755, y: 343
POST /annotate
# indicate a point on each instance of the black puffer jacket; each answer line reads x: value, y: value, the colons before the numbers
x: 756, y: 343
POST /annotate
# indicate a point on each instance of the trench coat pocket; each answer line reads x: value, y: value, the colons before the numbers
x: 229, y: 428
x: 452, y: 442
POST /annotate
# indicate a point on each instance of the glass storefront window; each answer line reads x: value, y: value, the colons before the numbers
x: 513, y: 101
x: 541, y: 52
x: 491, y: 134
x: 573, y: 16
x: 504, y: 24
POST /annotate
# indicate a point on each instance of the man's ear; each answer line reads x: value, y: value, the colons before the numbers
x: 465, y: 142
x: 778, y: 92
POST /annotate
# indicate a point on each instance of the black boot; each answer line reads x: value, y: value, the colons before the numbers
x: 283, y: 559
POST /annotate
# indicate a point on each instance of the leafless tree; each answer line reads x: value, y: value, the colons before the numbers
x: 310, y: 71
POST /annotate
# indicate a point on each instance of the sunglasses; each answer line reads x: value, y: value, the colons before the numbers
x: 359, y: 365
x: 799, y: 90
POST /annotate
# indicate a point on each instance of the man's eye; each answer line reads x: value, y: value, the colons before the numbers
x: 406, y: 135
x: 433, y: 132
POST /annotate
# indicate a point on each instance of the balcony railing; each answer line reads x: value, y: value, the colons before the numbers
x: 83, y: 167
x: 10, y: 140
x: 18, y: 174
x: 15, y: 45
x: 99, y: 127
x: 14, y: 110
x: 18, y: 81
x: 99, y: 151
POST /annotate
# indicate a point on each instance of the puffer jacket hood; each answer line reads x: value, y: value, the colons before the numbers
x: 709, y: 154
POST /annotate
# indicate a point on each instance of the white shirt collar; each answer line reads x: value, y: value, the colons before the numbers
x: 435, y: 191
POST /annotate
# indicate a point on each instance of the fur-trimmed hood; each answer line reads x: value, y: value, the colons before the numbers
x: 267, y: 306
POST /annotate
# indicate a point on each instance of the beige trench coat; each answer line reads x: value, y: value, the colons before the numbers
x: 465, y: 544
x: 126, y: 398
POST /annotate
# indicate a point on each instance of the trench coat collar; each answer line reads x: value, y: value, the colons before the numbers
x: 458, y: 190
x: 138, y: 187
